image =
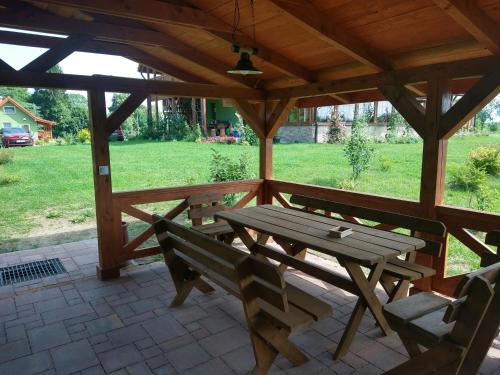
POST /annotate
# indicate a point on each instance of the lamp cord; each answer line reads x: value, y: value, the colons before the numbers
x: 236, y: 20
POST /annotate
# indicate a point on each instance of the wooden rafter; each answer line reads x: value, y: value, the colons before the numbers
x: 159, y: 13
x: 141, y: 38
x: 102, y: 47
x: 55, y: 55
x: 456, y: 69
x: 5, y: 66
x: 275, y: 118
x: 115, y: 119
x: 472, y: 18
x: 119, y: 84
x: 473, y: 100
x: 323, y: 28
x: 407, y: 105
x: 251, y: 115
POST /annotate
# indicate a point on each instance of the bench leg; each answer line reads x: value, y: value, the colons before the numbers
x: 264, y: 355
x: 203, y: 286
x: 278, y: 339
x: 411, y: 346
x: 183, y: 291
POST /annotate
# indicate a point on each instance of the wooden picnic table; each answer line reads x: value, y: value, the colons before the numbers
x: 296, y: 231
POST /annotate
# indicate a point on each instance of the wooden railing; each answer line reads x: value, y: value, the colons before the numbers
x: 126, y: 202
x: 458, y: 221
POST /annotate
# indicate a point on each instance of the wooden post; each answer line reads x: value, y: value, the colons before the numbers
x: 432, y: 178
x: 108, y: 224
x: 204, y: 115
x: 375, y: 113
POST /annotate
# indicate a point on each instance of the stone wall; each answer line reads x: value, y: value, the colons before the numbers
x: 307, y: 133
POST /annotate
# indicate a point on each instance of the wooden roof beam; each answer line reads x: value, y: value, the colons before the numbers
x: 56, y: 54
x: 473, y: 100
x: 100, y: 47
x: 34, y: 19
x: 323, y: 28
x: 457, y: 69
x: 160, y: 13
x: 472, y: 18
x: 126, y: 85
x: 115, y: 119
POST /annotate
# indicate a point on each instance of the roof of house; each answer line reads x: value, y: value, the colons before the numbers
x: 37, y: 119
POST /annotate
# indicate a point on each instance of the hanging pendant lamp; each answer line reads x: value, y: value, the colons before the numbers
x: 244, y: 66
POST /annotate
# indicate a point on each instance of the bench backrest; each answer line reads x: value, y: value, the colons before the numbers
x: 433, y: 232
x: 492, y: 238
x: 203, y: 206
x: 238, y: 272
x: 476, y: 316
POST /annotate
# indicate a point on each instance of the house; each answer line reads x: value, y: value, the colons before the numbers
x: 14, y: 115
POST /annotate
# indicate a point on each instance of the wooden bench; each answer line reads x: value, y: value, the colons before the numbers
x: 492, y: 238
x: 398, y: 274
x: 273, y: 308
x: 457, y: 333
x: 204, y: 206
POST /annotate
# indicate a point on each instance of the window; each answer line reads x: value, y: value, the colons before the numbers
x: 7, y: 125
x: 10, y: 110
x: 26, y: 127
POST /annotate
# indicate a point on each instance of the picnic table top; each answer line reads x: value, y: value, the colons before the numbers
x: 366, y: 245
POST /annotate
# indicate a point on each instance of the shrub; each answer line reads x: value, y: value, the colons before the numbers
x: 467, y: 177
x: 248, y: 136
x: 347, y: 184
x: 484, y: 197
x: 83, y: 136
x: 486, y: 158
x: 59, y: 141
x: 358, y: 151
x: 69, y: 138
x: 6, y: 156
x: 54, y: 214
x: 385, y: 163
x: 222, y: 169
x: 8, y: 180
x: 338, y: 130
x: 493, y: 126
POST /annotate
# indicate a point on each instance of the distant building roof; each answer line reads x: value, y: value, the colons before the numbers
x: 37, y: 119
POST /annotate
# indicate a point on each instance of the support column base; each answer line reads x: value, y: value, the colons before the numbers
x: 108, y: 273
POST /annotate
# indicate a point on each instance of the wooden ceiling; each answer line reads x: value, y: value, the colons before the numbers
x: 299, y: 41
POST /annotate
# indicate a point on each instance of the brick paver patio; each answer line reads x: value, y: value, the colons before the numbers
x: 76, y: 324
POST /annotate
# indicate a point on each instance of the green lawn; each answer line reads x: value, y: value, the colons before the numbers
x: 56, y: 181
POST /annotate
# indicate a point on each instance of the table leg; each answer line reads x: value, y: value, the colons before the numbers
x: 367, y: 299
x: 294, y: 250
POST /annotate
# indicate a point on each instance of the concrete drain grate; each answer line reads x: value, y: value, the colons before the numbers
x: 19, y: 273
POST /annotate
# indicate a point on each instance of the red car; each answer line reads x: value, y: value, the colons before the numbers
x: 15, y: 137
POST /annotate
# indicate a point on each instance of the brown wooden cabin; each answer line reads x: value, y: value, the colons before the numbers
x: 311, y: 53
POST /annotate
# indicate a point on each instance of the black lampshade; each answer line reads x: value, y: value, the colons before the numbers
x: 244, y: 66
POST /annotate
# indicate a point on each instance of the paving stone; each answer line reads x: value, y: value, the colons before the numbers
x: 15, y: 333
x: 164, y: 328
x: 42, y: 295
x: 47, y: 337
x: 96, y: 370
x: 124, y: 311
x: 218, y: 322
x: 189, y: 314
x: 127, y: 335
x: 74, y: 357
x: 13, y: 350
x: 165, y: 370
x: 214, y: 366
x: 151, y: 352
x: 68, y: 312
x: 139, y: 369
x: 158, y: 361
x: 241, y: 360
x: 7, y: 307
x: 170, y: 345
x: 145, y: 305
x: 101, y: 292
x: 382, y: 357
x: 312, y: 342
x: 226, y: 341
x: 103, y: 325
x: 119, y: 358
x: 79, y: 327
x: 187, y: 356
x: 144, y: 344
x: 51, y: 304
x: 29, y: 365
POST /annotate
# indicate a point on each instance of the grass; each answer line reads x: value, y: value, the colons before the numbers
x: 54, y: 183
